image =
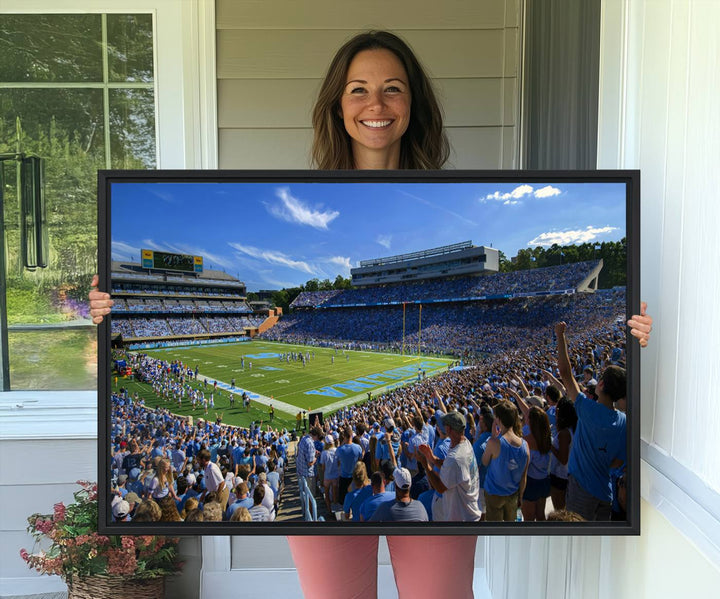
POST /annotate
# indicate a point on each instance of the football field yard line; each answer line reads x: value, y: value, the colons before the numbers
x: 254, y: 395
x: 361, y: 396
x: 337, y: 377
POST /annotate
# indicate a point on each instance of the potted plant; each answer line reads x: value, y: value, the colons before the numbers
x: 67, y: 544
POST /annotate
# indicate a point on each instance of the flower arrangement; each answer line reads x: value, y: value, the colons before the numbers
x: 77, y: 551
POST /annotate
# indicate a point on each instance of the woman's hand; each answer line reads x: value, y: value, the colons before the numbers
x: 641, y: 325
x: 100, y: 302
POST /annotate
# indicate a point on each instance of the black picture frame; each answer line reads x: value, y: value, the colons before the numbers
x: 629, y: 178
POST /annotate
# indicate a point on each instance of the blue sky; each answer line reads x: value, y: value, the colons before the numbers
x: 273, y: 235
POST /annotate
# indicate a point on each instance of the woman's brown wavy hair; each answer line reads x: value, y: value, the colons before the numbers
x: 424, y: 144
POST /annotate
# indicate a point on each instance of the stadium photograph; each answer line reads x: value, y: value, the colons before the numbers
x: 364, y: 352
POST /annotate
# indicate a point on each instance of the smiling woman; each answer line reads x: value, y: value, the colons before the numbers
x: 381, y: 70
x: 375, y: 108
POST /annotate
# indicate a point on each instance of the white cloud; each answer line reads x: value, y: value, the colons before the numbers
x: 521, y: 191
x: 384, y: 240
x: 547, y: 192
x: 294, y: 211
x: 124, y: 252
x: 515, y: 196
x: 273, y: 257
x: 571, y: 237
x: 165, y: 196
x: 343, y: 262
x: 510, y: 198
x: 149, y: 244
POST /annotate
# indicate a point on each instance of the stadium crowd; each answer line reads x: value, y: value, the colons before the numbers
x: 133, y: 305
x: 459, y: 329
x: 551, y: 278
x: 166, y: 326
x: 193, y: 471
x: 438, y: 449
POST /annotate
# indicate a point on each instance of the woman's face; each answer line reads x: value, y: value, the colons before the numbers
x: 375, y: 107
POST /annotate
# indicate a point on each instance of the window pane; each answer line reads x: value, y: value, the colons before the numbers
x: 132, y: 128
x: 37, y: 48
x: 130, y: 48
x: 66, y: 127
x: 53, y: 359
x: 51, y: 118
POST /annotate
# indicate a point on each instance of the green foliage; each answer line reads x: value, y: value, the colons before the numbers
x: 26, y: 303
x: 312, y: 285
x: 66, y: 127
x: 284, y: 297
x: 55, y: 358
x: 342, y: 283
x: 70, y: 193
x: 504, y: 263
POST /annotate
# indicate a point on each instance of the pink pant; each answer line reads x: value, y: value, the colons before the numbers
x: 345, y: 567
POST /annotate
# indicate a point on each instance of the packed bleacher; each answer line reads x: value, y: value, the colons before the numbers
x: 154, y: 459
x: 519, y: 367
x: 132, y: 305
x: 185, y: 326
x: 452, y: 328
x: 549, y: 279
x: 161, y: 306
x: 312, y: 299
x: 432, y: 446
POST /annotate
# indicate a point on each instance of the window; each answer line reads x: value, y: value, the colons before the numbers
x: 78, y: 90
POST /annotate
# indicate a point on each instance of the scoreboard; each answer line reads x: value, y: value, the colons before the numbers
x: 167, y: 261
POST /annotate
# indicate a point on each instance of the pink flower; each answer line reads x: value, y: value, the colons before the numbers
x: 128, y: 543
x: 144, y: 542
x: 24, y: 555
x: 43, y: 526
x: 59, y: 512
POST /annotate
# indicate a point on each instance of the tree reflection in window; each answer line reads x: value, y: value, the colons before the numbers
x: 77, y: 90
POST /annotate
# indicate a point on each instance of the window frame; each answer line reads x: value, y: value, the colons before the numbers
x: 184, y: 79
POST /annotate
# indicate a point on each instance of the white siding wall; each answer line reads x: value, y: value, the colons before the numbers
x: 44, y: 449
x: 659, y: 89
x: 271, y: 57
x: 48, y: 441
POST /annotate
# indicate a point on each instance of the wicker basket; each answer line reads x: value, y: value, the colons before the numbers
x: 102, y: 587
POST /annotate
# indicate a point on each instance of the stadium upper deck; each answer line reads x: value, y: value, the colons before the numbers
x: 151, y: 303
x: 563, y: 279
x: 458, y: 259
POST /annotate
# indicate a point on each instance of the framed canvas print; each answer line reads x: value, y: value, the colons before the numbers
x: 361, y: 352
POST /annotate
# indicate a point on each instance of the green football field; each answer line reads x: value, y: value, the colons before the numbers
x: 327, y: 382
